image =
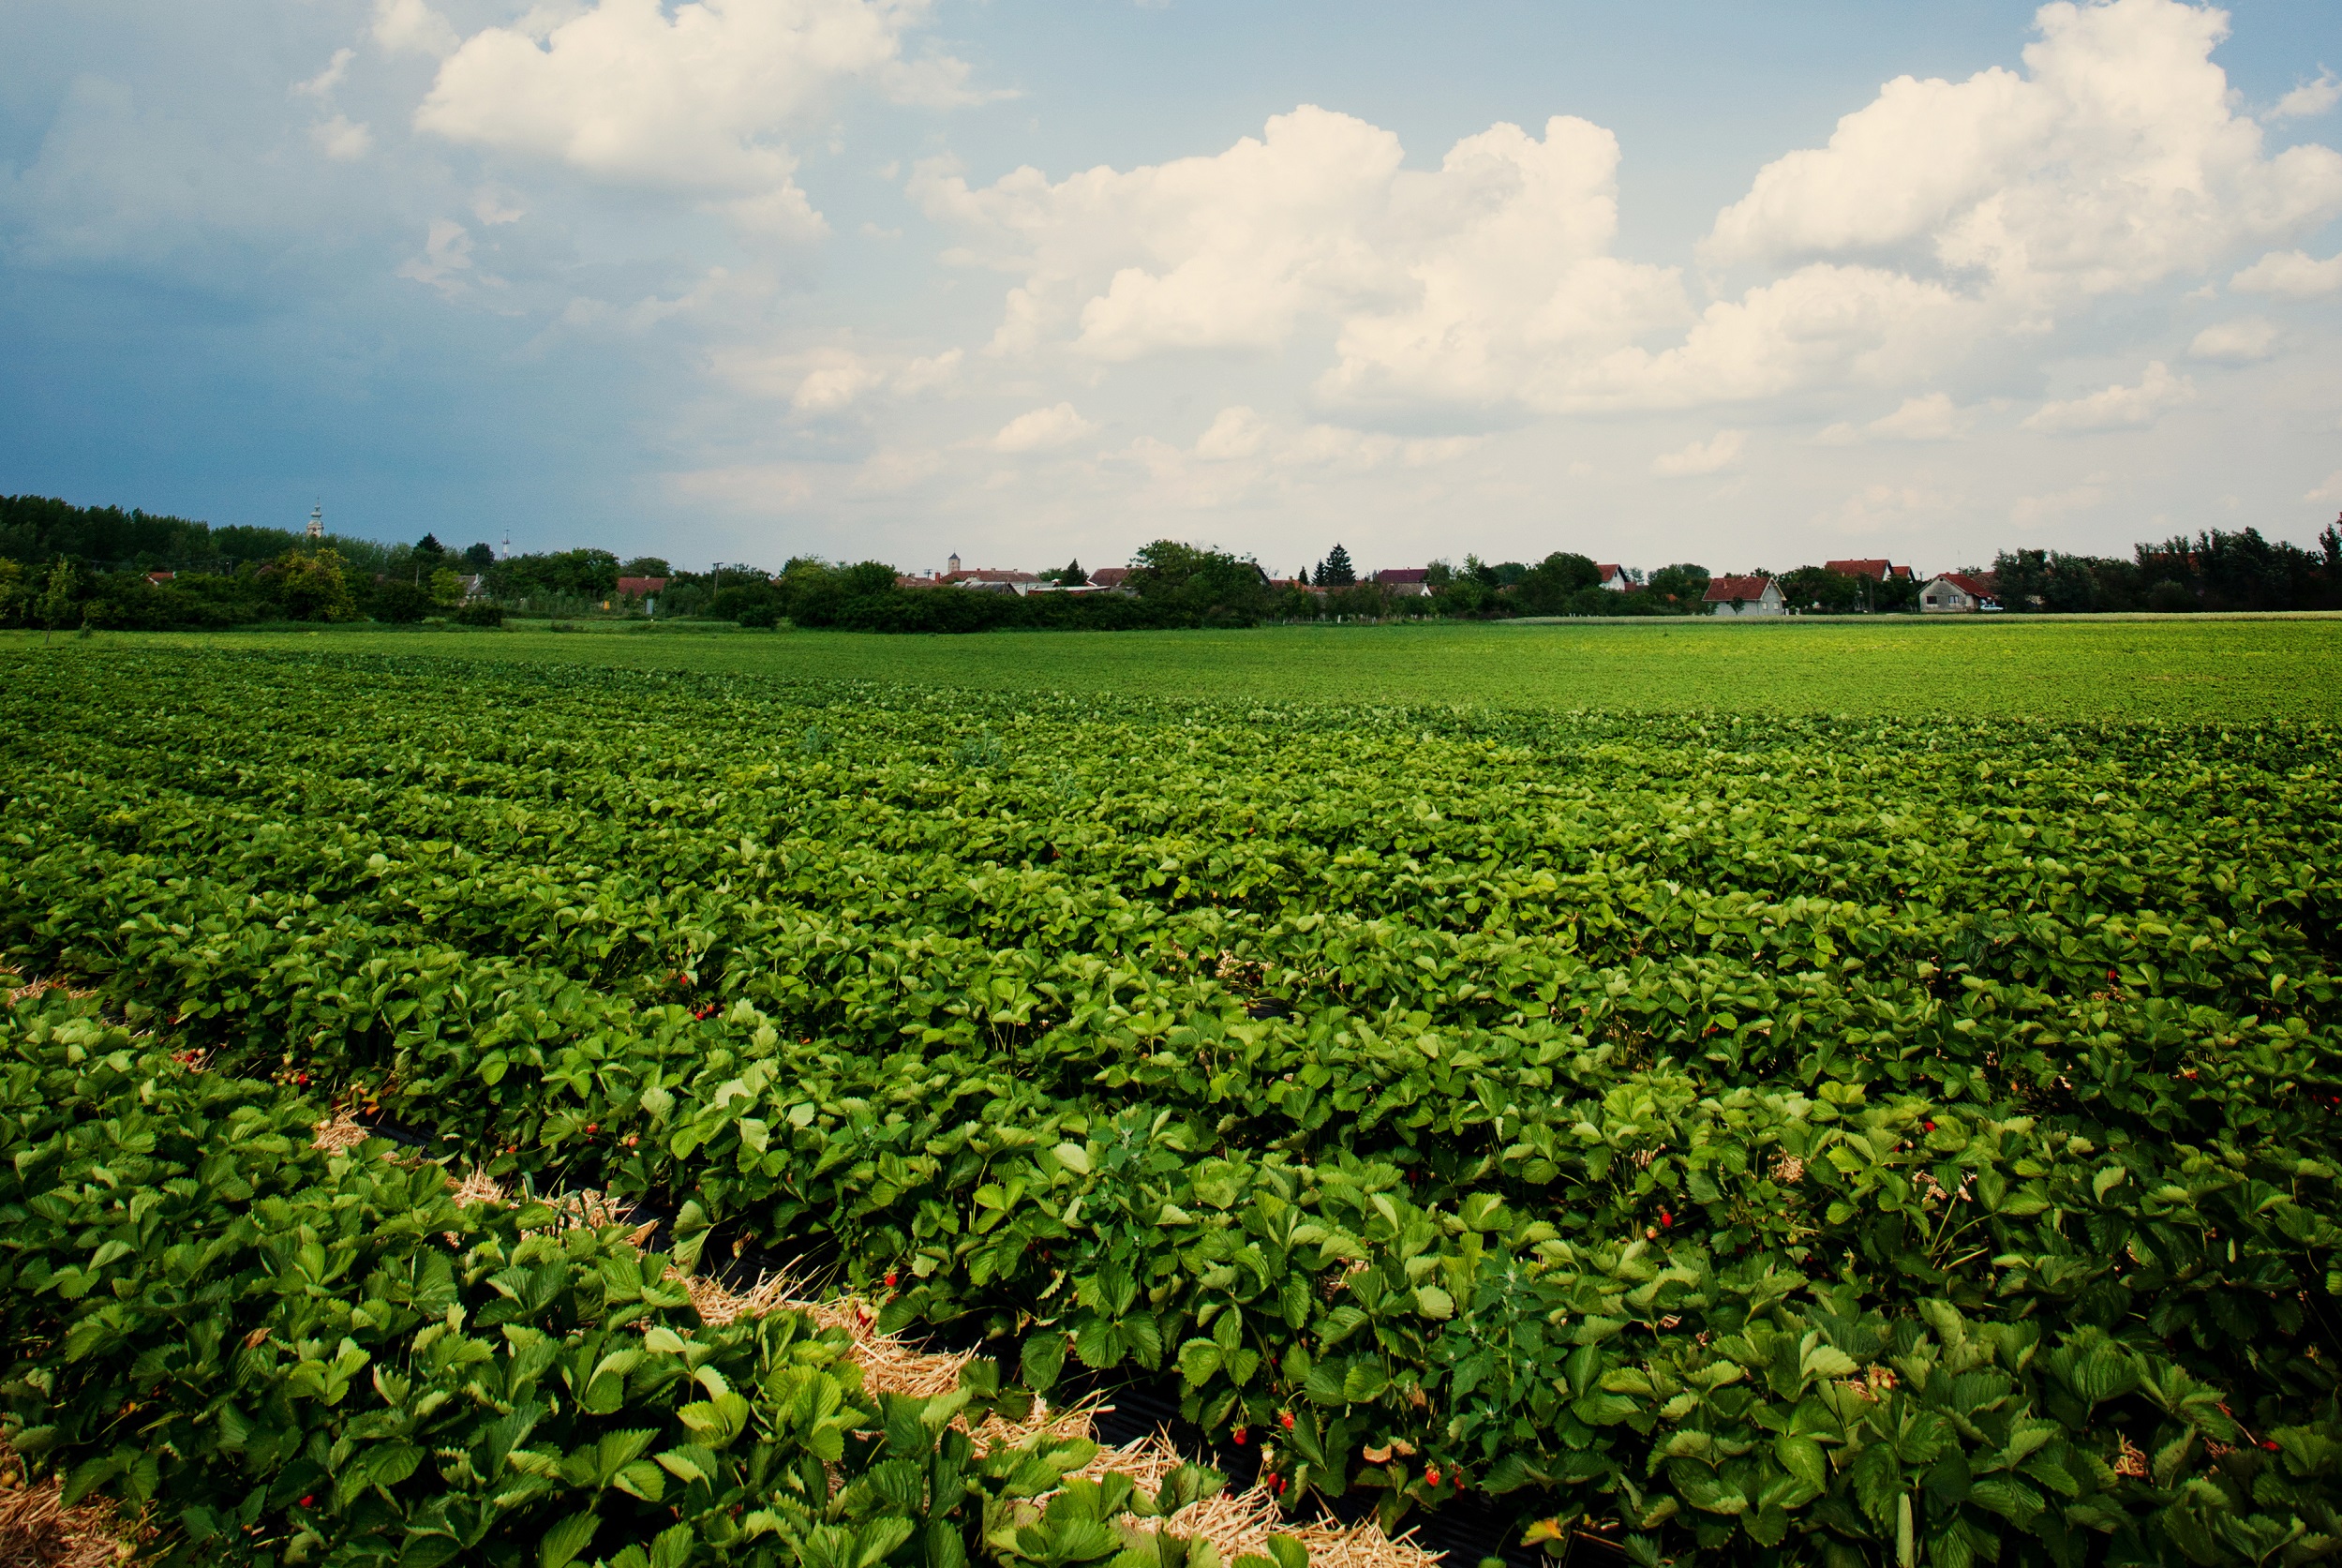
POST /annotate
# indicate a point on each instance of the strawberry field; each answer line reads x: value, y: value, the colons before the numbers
x: 1748, y: 1139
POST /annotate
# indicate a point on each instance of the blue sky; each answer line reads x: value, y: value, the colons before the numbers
x: 750, y: 278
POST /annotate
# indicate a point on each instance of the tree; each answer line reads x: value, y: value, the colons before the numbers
x: 446, y: 589
x: 1681, y: 587
x: 1208, y: 587
x: 1546, y: 587
x: 1070, y: 575
x: 647, y: 566
x: 1335, y: 570
x: 399, y: 602
x: 57, y: 600
x: 480, y: 557
x: 1817, y: 588
x: 430, y: 551
x: 1301, y: 579
x: 310, y: 586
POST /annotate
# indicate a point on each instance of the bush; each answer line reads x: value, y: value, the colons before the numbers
x: 2172, y: 598
x: 479, y: 612
x: 728, y: 601
x: 762, y: 616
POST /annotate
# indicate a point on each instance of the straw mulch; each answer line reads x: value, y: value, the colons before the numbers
x: 35, y: 1532
x: 33, y: 988
x: 1241, y: 1523
x: 339, y: 1133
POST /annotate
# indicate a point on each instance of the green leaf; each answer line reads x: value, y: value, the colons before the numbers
x: 1042, y: 1358
x: 1802, y: 1457
x: 565, y: 1540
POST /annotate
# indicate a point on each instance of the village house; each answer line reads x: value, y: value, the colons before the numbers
x: 1614, y: 578
x: 1743, y: 596
x: 1958, y: 593
x: 992, y: 579
x: 1877, y: 571
x: 1406, y: 582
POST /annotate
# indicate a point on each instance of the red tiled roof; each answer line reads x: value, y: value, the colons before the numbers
x: 160, y: 577
x: 1109, y: 577
x: 1978, y: 587
x: 1403, y: 574
x: 1877, y: 571
x: 991, y: 575
x: 640, y: 588
x: 1723, y: 590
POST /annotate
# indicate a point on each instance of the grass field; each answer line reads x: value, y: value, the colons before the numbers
x: 2181, y: 667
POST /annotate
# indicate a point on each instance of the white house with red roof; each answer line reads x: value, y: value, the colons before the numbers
x: 1744, y: 596
x: 1959, y: 593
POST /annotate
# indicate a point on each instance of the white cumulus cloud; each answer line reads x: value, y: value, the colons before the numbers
x: 1042, y: 429
x: 324, y: 82
x: 1712, y: 455
x: 2117, y: 407
x: 2116, y: 159
x: 694, y: 101
x: 1931, y: 418
x: 2290, y: 274
x: 2309, y: 99
x: 1470, y: 283
x: 2237, y: 342
x: 342, y: 140
x: 412, y: 27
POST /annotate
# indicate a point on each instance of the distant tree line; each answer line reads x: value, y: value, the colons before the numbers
x: 68, y: 566
x: 2213, y: 571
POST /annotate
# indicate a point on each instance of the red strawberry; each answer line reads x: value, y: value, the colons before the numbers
x: 1238, y: 1435
x: 1665, y: 1218
x: 1286, y: 1417
x: 890, y: 1279
x: 1431, y: 1475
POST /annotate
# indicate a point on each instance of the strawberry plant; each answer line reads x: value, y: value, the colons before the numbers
x: 1577, y: 1109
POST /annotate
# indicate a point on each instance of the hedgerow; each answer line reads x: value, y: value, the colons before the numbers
x: 1829, y: 1138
